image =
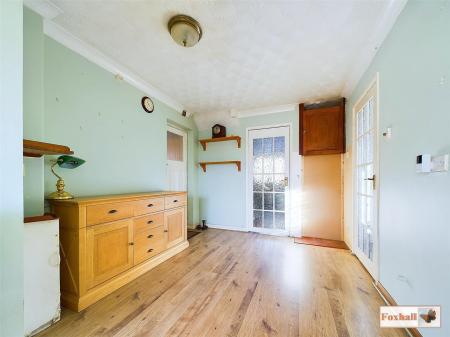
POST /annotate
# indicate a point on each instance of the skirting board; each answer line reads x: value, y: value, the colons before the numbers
x: 391, y: 302
x: 230, y: 228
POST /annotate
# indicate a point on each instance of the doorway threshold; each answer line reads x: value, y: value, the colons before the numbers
x: 306, y: 240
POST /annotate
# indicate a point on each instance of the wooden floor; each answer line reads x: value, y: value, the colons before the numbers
x: 239, y: 284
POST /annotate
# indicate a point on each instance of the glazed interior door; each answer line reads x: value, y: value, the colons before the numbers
x: 268, y: 180
x: 366, y: 182
x: 176, y: 174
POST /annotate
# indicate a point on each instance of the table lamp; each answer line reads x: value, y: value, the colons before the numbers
x: 69, y: 162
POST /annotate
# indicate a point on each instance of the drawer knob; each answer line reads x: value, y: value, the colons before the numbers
x: 175, y: 200
x: 150, y: 236
x: 150, y: 250
x: 165, y: 231
x: 112, y: 211
x: 131, y: 243
x: 149, y: 222
x: 150, y: 205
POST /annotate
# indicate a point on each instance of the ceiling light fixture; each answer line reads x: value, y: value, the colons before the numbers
x: 185, y: 30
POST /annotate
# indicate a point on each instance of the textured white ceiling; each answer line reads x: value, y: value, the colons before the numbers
x: 252, y: 54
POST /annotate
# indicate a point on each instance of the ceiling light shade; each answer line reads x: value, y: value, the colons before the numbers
x: 185, y: 30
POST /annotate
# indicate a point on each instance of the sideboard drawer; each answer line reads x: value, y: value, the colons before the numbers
x: 148, y: 206
x: 175, y: 201
x: 102, y: 213
x: 148, y: 244
x: 147, y: 222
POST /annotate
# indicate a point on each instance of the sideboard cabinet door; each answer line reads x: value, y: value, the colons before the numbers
x: 175, y: 225
x: 109, y: 251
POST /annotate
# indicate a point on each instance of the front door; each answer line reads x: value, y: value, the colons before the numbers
x: 366, y: 181
x: 268, y: 180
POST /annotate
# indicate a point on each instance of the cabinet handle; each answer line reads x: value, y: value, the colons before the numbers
x: 112, y: 211
x: 150, y: 205
x: 149, y: 222
x: 131, y: 243
x: 165, y: 231
x: 150, y: 250
x: 150, y: 236
x: 175, y: 200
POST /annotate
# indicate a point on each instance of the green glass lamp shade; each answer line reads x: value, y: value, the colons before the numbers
x: 69, y: 162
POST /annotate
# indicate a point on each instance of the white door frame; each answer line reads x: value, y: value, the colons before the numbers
x: 372, y: 267
x: 184, y: 134
x: 249, y: 183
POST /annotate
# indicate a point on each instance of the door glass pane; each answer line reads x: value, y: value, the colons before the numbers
x: 257, y: 218
x: 257, y: 182
x: 258, y: 164
x: 279, y: 145
x: 174, y: 146
x: 257, y: 147
x: 268, y: 219
x: 279, y: 220
x: 279, y: 183
x: 268, y: 201
x: 268, y: 146
x: 268, y: 164
x: 257, y: 200
x: 268, y: 183
x: 279, y: 162
x: 279, y: 201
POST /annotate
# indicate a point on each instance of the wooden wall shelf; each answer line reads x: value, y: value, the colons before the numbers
x: 221, y: 139
x: 32, y: 148
x: 206, y: 163
x: 38, y: 218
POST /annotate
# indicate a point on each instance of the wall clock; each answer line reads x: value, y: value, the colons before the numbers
x: 219, y: 131
x: 147, y: 104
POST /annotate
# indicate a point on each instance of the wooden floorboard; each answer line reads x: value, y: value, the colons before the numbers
x: 237, y: 284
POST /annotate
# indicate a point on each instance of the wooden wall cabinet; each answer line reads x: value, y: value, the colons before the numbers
x: 322, y: 129
x: 108, y: 241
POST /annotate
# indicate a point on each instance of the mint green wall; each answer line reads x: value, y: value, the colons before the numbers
x: 101, y: 119
x: 414, y: 69
x: 222, y: 190
x: 11, y: 181
x: 33, y: 109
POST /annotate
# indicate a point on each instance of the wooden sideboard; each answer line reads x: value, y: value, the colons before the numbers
x: 108, y: 241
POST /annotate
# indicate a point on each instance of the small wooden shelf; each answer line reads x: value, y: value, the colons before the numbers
x: 221, y: 139
x: 38, y: 218
x: 206, y: 163
x: 32, y: 148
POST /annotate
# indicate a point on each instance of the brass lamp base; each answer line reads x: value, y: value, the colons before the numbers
x: 60, y: 194
x: 63, y: 195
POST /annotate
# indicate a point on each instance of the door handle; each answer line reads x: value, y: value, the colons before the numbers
x: 373, y: 180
